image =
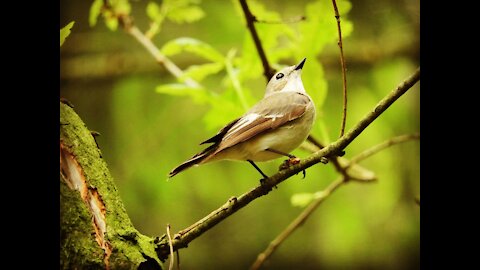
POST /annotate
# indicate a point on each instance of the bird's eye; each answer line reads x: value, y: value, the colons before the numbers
x: 279, y: 76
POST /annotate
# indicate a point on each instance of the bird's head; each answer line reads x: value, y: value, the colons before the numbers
x: 287, y: 79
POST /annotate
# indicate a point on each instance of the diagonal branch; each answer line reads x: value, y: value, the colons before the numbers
x: 184, y: 237
x: 377, y: 148
x: 157, y: 55
x: 127, y: 24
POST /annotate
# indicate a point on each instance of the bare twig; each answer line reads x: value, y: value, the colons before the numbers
x: 178, y: 259
x: 171, y: 248
x: 127, y: 24
x: 268, y: 71
x: 288, y: 21
x: 234, y: 204
x: 344, y: 73
x: 262, y: 257
x: 377, y: 148
x: 155, y: 52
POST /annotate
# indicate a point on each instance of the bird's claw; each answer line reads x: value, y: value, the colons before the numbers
x: 289, y: 162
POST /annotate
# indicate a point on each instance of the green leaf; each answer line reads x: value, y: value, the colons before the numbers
x: 223, y: 109
x: 111, y: 22
x: 122, y: 7
x: 186, y: 14
x: 192, y: 45
x: 199, y: 95
x: 65, y: 32
x: 301, y: 199
x: 153, y: 11
x: 95, y: 10
x: 199, y: 72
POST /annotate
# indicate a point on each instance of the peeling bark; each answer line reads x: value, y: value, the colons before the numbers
x: 95, y: 231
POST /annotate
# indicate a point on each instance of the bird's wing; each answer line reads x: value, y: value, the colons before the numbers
x: 271, y: 112
x: 218, y: 137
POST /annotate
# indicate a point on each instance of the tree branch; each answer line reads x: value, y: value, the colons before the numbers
x: 268, y: 71
x: 127, y: 24
x: 377, y: 148
x: 234, y: 204
x: 157, y: 55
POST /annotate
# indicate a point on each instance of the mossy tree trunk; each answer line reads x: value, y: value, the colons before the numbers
x: 95, y: 230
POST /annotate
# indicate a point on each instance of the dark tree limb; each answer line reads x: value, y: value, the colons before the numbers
x: 268, y: 71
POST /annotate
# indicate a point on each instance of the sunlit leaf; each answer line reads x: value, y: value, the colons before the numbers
x: 121, y: 6
x: 199, y: 72
x: 199, y: 95
x: 186, y: 14
x: 191, y: 45
x: 95, y: 10
x: 111, y: 23
x: 153, y: 11
x: 303, y: 199
x: 65, y: 32
x: 224, y: 108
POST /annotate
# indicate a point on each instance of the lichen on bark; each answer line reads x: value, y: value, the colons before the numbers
x: 95, y: 230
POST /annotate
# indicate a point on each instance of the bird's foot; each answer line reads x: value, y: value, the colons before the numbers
x: 289, y: 162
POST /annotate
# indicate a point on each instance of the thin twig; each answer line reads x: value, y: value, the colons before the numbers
x: 344, y: 73
x: 268, y: 71
x: 157, y: 55
x: 262, y: 257
x: 171, y: 248
x: 127, y: 24
x: 234, y: 204
x: 289, y: 21
x: 377, y: 148
x: 178, y: 259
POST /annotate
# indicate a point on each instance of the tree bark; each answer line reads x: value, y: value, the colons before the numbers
x: 95, y: 230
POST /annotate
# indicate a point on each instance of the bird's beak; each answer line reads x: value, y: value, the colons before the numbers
x: 300, y: 65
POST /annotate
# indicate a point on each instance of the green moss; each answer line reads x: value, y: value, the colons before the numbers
x: 77, y: 240
x: 129, y: 247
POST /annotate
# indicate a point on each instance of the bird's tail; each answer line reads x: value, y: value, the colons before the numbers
x: 194, y: 160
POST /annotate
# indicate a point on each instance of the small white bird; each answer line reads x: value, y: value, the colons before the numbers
x: 272, y: 128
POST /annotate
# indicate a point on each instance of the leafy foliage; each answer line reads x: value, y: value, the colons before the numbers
x: 304, y: 198
x: 65, y: 32
x: 281, y: 42
x: 115, y: 8
x: 178, y: 11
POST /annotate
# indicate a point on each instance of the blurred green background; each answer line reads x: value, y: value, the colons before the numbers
x: 111, y: 80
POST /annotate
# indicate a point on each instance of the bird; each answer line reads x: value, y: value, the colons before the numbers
x: 271, y: 129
